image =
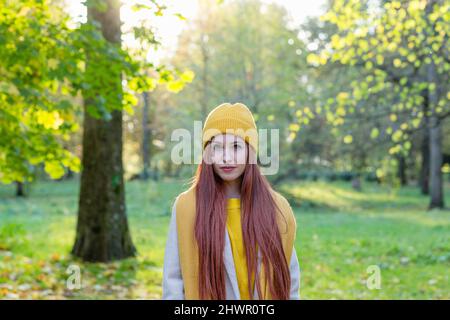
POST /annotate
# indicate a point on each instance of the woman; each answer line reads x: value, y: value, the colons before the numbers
x: 230, y: 225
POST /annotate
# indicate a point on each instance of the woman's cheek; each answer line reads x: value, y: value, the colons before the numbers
x: 217, y: 157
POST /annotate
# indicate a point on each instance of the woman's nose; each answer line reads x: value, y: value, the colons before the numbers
x: 228, y: 155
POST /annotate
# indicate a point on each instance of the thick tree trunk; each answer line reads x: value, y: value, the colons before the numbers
x: 102, y: 229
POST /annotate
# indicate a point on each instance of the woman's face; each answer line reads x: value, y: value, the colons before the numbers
x: 229, y: 154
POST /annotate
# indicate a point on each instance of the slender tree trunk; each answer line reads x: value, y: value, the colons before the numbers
x: 146, y: 137
x: 425, y: 151
x: 401, y: 174
x: 102, y: 228
x: 155, y: 172
x: 436, y: 183
x: 20, y: 192
x: 425, y: 164
x: 69, y: 174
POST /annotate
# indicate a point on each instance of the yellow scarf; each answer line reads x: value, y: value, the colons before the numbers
x: 188, y: 248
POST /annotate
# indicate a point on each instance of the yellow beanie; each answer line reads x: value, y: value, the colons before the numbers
x: 235, y: 117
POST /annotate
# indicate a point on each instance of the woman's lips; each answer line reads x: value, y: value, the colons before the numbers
x: 227, y: 169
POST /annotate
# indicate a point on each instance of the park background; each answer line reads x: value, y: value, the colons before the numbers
x: 89, y: 98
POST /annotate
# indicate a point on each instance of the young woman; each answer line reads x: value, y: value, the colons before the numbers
x: 231, y: 236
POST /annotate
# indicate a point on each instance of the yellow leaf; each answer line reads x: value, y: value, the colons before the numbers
x: 374, y: 133
x: 342, y: 96
x: 52, y: 63
x: 54, y: 169
x: 411, y: 57
x: 348, y: 139
x: 313, y: 59
x: 393, y: 117
x: 175, y: 86
x: 416, y: 123
x: 340, y: 111
x: 337, y: 42
x: 187, y: 76
x: 380, y: 59
x: 294, y: 127
x: 397, y: 135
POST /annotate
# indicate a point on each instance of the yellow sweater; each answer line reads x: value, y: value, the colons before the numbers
x: 237, y: 245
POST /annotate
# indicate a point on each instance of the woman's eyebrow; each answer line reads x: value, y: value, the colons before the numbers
x: 231, y: 142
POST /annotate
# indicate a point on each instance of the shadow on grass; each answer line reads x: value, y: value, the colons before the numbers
x: 322, y: 196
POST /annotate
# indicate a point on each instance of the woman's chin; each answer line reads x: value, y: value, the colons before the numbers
x: 228, y: 176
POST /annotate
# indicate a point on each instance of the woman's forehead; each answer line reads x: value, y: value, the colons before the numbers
x: 226, y: 138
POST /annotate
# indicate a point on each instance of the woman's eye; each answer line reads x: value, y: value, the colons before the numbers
x: 237, y: 146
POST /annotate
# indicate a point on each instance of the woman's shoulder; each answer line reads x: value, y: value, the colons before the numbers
x: 280, y: 198
x: 284, y: 206
x: 189, y: 192
x: 184, y: 200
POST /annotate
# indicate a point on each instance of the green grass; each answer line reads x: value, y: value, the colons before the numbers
x: 340, y: 233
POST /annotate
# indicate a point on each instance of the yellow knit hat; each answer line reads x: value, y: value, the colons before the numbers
x: 235, y: 117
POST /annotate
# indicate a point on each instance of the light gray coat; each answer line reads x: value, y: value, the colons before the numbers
x: 172, y: 286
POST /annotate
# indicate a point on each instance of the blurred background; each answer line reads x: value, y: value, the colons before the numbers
x: 91, y: 91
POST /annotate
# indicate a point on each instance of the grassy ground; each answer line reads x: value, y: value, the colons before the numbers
x: 340, y: 234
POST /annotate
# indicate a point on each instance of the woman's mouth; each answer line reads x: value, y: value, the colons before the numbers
x: 227, y: 169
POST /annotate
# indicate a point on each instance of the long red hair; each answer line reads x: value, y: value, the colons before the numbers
x: 259, y: 226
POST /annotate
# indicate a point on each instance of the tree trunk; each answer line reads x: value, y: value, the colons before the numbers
x: 69, y: 174
x: 436, y: 185
x: 146, y: 137
x: 401, y: 173
x: 356, y: 183
x: 20, y: 192
x: 102, y: 229
x: 425, y: 150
